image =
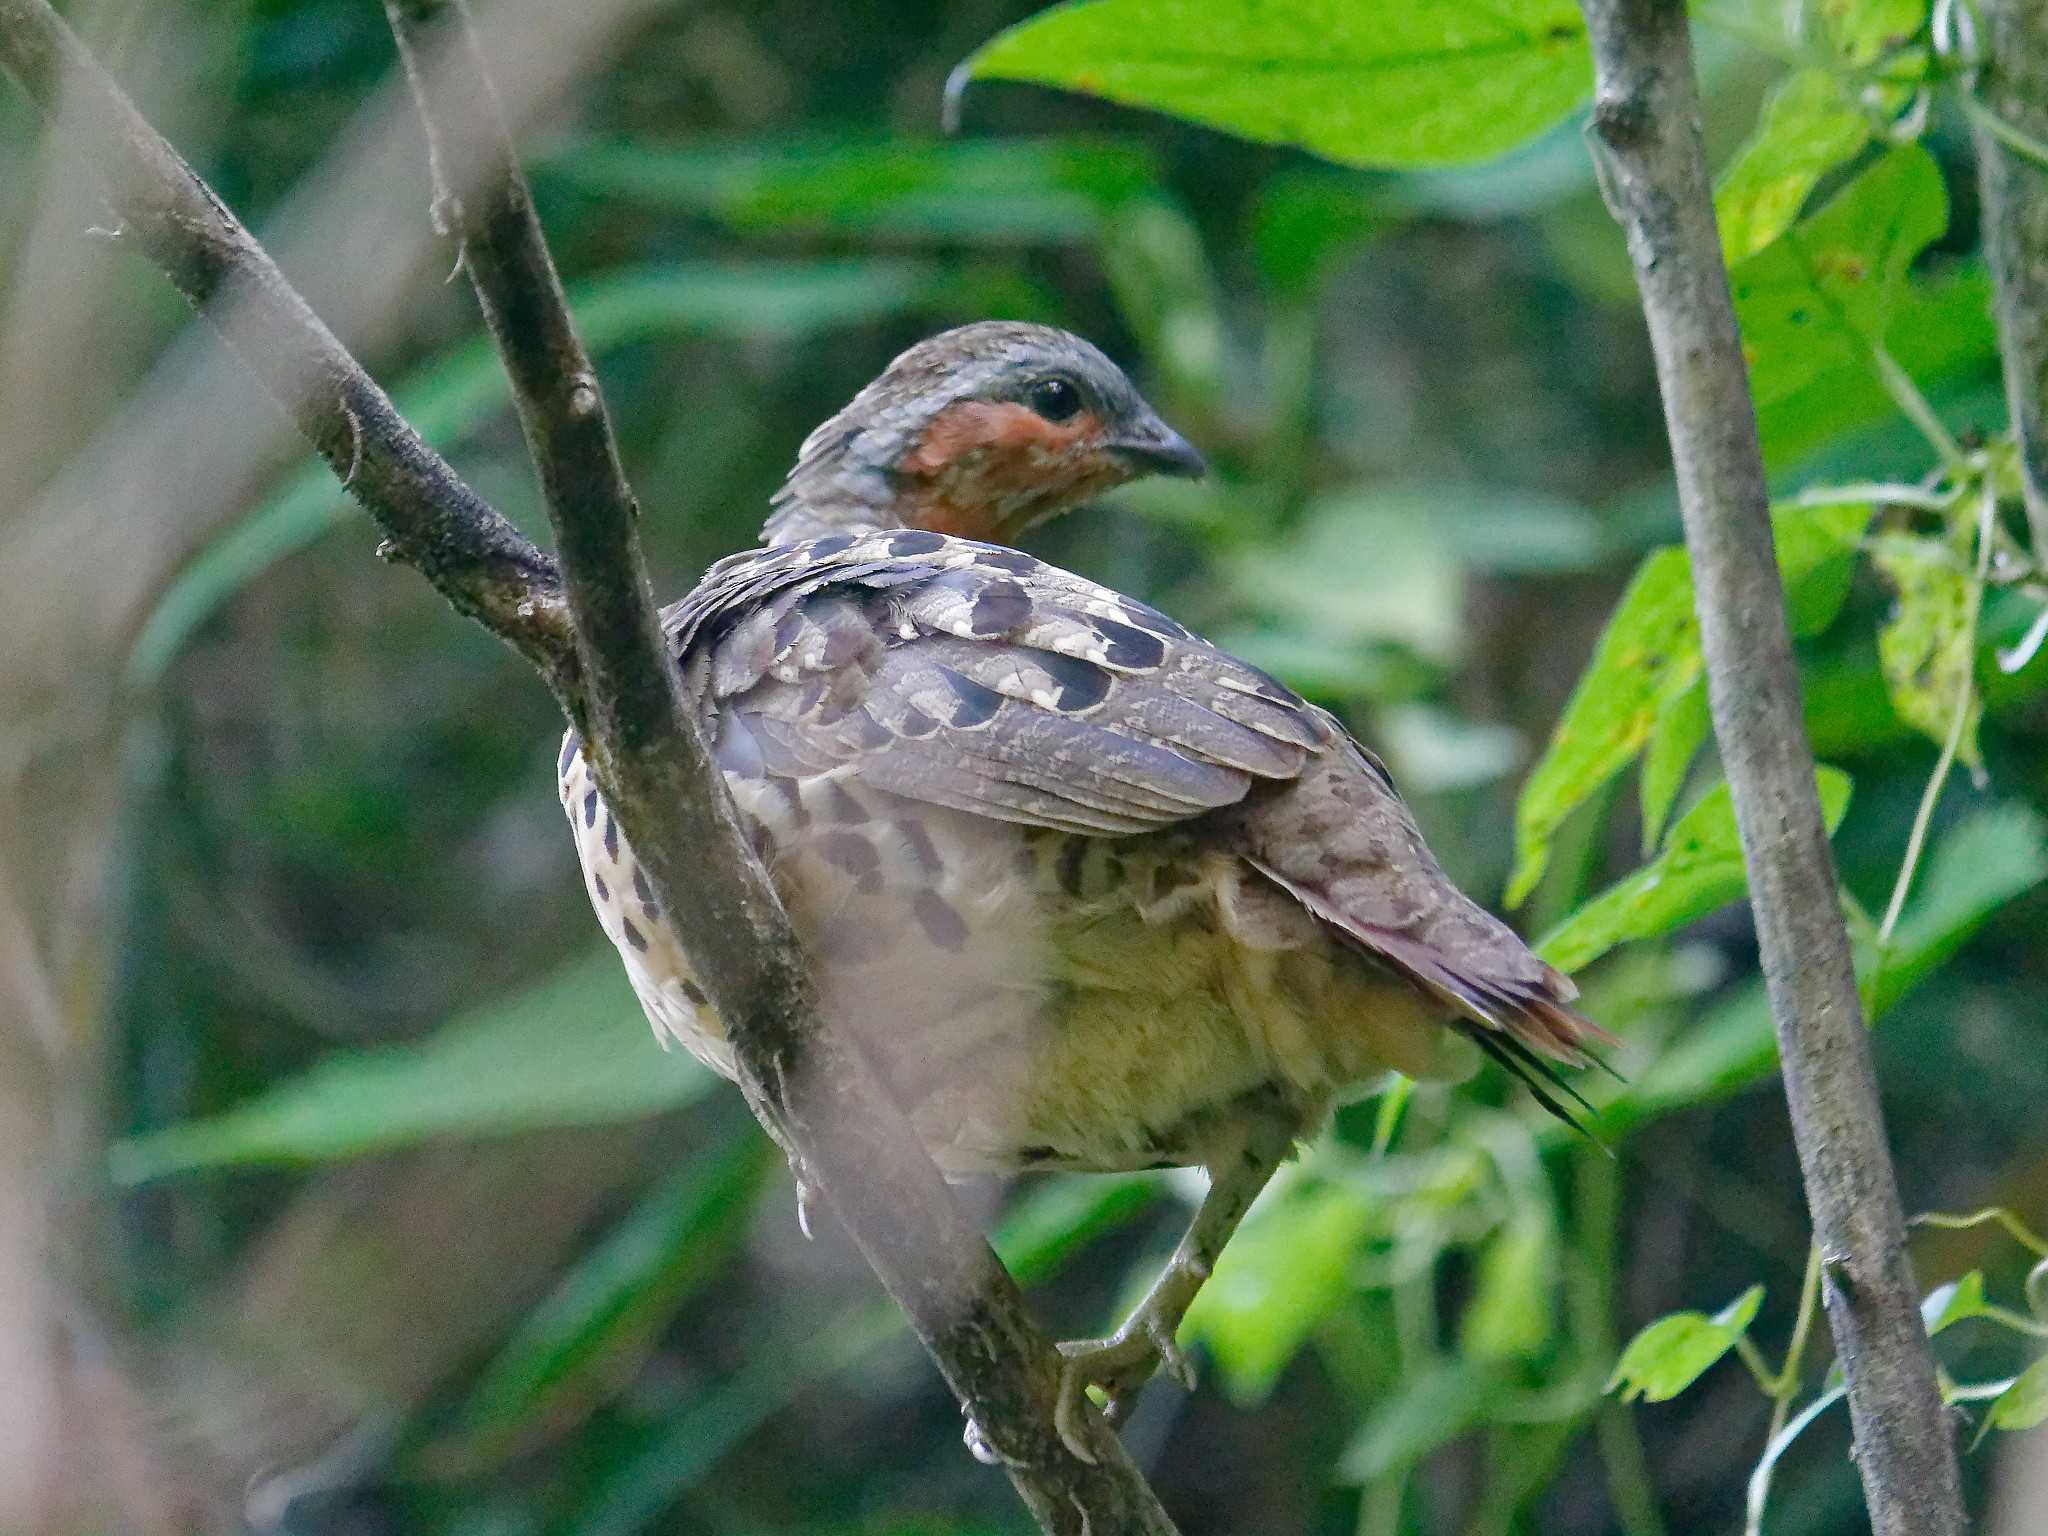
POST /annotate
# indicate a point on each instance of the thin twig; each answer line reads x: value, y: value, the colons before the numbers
x: 1965, y: 707
x: 1645, y: 130
x: 821, y: 1096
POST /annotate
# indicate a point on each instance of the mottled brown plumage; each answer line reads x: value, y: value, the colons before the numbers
x: 1095, y: 894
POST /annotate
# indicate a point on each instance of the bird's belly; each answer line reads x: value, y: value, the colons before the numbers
x: 1035, y: 1000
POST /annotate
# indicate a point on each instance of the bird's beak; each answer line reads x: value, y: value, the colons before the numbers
x: 1154, y: 448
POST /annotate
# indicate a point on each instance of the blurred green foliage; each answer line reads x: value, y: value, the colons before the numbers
x: 1439, y: 458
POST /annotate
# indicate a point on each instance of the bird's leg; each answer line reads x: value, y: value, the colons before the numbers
x: 1122, y: 1363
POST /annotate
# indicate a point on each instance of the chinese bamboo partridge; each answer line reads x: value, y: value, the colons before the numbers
x: 1094, y: 894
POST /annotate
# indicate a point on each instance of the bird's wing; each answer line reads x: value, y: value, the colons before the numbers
x: 1346, y: 846
x: 980, y: 678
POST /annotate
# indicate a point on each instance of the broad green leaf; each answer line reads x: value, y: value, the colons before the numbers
x: 1674, y: 1352
x: 455, y: 394
x: 1422, y: 83
x: 2024, y: 1404
x: 1810, y: 125
x: 574, y: 1050
x: 1940, y: 334
x: 979, y: 191
x: 1698, y: 870
x: 1287, y: 1267
x: 1514, y: 1291
x: 1958, y: 1300
x: 572, y: 1348
x: 1676, y: 736
x: 1814, y: 302
x: 2037, y: 1291
x: 1428, y: 1409
x: 1927, y: 647
x: 1648, y: 658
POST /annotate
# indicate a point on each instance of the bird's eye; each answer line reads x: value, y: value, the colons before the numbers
x: 1054, y: 399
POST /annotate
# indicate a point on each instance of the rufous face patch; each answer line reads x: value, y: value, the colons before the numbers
x: 987, y: 468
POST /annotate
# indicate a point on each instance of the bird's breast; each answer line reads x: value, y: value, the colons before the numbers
x: 1035, y: 999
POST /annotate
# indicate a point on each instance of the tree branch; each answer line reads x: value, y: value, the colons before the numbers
x: 2013, y: 88
x: 478, y: 560
x: 1645, y: 137
x: 592, y: 633
x: 816, y: 1092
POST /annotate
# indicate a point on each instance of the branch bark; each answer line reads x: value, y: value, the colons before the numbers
x: 592, y: 632
x: 2013, y: 88
x: 1645, y: 137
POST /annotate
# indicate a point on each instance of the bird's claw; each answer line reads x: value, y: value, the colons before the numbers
x: 1119, y: 1365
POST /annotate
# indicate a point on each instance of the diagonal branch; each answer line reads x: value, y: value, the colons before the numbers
x: 1645, y: 136
x: 478, y: 560
x: 815, y: 1091
x: 608, y: 668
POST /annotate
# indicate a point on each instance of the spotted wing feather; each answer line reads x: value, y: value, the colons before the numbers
x: 980, y: 679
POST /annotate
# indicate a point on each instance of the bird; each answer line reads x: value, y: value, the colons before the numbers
x: 1094, y: 894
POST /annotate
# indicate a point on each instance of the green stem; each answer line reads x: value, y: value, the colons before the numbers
x: 1966, y: 698
x: 1589, y: 1291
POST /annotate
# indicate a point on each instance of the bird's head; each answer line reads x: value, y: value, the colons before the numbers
x: 980, y: 432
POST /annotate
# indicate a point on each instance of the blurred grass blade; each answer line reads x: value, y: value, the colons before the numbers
x: 1034, y: 1239
x: 974, y: 192
x: 574, y: 1050
x: 579, y: 1342
x: 449, y: 398
x: 1422, y: 83
x: 1043, y: 1230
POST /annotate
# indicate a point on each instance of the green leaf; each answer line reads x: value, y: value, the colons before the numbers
x: 1863, y: 31
x: 1514, y: 1292
x: 979, y: 191
x: 1947, y: 1305
x: 1674, y: 1352
x: 572, y: 1348
x: 1287, y: 1267
x: 2024, y: 1404
x: 1810, y: 125
x: 1429, y: 1408
x: 1699, y: 869
x: 1985, y: 861
x: 574, y: 1050
x: 1428, y: 82
x: 1927, y: 647
x: 1940, y: 333
x: 1648, y: 658
x: 1814, y: 303
x: 1676, y: 736
x: 452, y: 396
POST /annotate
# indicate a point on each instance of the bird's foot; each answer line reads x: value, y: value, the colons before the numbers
x: 1118, y: 1366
